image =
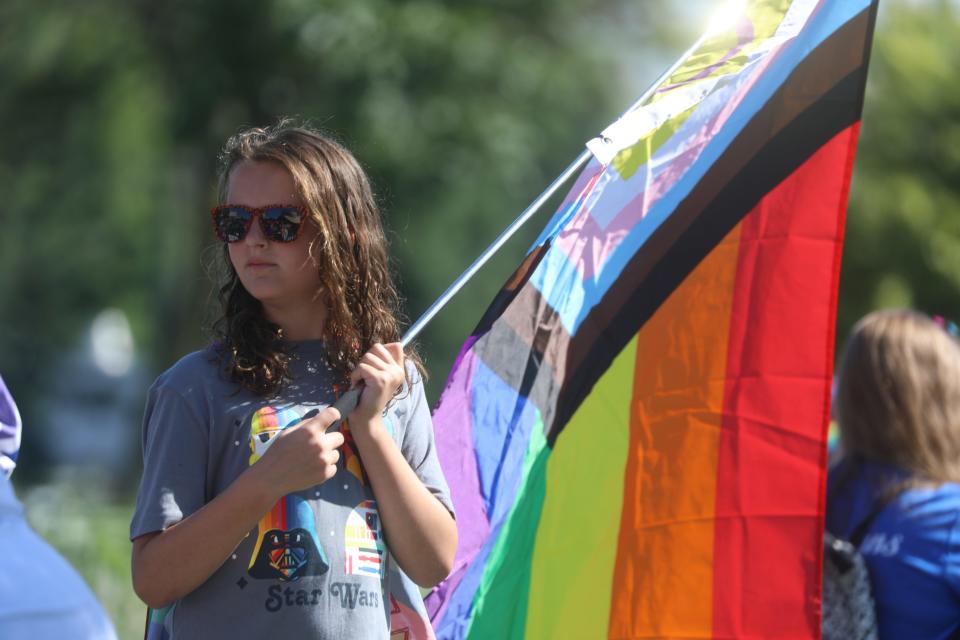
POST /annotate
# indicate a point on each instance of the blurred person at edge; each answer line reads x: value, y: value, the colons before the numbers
x: 898, y: 408
x: 41, y: 596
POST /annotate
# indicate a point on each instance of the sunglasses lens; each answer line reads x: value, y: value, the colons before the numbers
x: 232, y: 223
x: 281, y: 224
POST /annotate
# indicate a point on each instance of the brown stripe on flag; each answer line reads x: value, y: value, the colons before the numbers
x: 821, y: 97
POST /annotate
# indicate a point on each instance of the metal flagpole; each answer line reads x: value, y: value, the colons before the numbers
x: 528, y: 213
x: 348, y: 401
x: 507, y: 233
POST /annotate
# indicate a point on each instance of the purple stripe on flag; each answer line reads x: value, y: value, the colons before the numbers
x: 458, y: 461
x: 501, y: 448
x: 496, y: 475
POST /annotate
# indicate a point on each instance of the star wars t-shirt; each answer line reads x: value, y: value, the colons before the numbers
x: 316, y: 565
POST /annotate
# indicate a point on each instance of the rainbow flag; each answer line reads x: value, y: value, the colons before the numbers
x: 635, y: 434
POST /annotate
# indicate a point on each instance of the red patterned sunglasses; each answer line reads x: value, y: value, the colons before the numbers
x: 279, y: 222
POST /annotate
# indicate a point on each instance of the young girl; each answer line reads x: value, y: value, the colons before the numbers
x: 898, y: 407
x: 259, y: 515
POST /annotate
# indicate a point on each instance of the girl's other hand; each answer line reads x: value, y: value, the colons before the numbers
x: 302, y: 456
x: 381, y: 370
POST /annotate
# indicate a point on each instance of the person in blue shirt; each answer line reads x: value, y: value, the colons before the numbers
x: 898, y: 408
x: 42, y: 597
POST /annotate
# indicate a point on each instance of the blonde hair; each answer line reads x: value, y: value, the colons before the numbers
x: 898, y: 395
x: 350, y: 251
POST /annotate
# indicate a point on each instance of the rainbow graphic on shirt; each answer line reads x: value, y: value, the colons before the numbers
x: 287, y: 547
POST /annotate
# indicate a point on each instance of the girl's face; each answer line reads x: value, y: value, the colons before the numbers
x: 281, y: 275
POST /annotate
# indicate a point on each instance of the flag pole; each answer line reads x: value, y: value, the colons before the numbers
x: 507, y: 233
x: 347, y: 402
x: 528, y: 213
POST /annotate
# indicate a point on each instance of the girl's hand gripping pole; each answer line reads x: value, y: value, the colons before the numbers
x: 345, y: 404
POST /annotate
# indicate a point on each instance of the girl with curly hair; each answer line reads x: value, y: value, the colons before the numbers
x: 259, y: 514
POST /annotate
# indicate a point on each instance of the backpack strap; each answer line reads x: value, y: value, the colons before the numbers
x: 842, y: 551
x: 860, y: 532
x: 845, y: 474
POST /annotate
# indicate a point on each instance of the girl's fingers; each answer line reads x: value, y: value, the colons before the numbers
x: 384, y: 357
x: 375, y: 360
x: 355, y: 376
x: 371, y: 375
x: 380, y: 380
x: 382, y: 352
x: 395, y: 349
x: 391, y: 354
x: 333, y: 439
x: 329, y: 415
x: 381, y: 370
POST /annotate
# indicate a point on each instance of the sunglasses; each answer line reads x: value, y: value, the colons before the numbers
x: 279, y: 222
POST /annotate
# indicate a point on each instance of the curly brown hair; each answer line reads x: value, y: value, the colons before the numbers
x: 350, y: 253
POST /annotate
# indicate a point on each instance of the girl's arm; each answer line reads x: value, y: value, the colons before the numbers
x: 421, y: 533
x: 169, y: 564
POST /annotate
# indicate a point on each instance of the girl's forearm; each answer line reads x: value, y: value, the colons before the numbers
x: 170, y: 564
x: 420, y: 531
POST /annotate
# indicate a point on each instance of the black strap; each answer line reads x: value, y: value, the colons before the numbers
x: 860, y: 532
x: 842, y: 553
x: 845, y: 474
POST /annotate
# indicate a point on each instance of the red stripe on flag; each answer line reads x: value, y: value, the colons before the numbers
x: 772, y: 457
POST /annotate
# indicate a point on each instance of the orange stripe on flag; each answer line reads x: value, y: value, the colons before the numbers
x: 663, y: 579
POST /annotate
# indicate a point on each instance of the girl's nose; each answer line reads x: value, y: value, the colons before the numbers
x: 255, y: 235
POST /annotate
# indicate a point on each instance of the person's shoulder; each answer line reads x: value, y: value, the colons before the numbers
x: 411, y: 396
x: 413, y: 390
x: 413, y: 374
x: 929, y: 509
x: 199, y: 368
x: 946, y: 493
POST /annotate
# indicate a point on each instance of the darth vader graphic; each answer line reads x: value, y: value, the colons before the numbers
x: 288, y: 556
x: 287, y: 546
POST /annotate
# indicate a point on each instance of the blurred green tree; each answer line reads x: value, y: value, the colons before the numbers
x: 903, y: 225
x: 116, y: 110
x: 461, y: 113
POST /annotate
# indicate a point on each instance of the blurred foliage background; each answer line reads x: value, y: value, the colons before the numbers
x: 461, y: 113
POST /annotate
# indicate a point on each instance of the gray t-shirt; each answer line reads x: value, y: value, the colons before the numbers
x: 317, y: 565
